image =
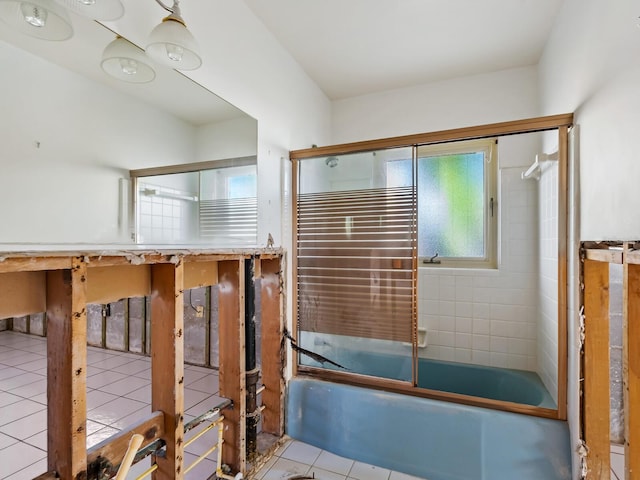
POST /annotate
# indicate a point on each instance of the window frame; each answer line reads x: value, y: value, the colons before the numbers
x: 491, y: 210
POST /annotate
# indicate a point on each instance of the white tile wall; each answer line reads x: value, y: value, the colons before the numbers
x: 548, y: 283
x: 162, y: 219
x: 489, y: 317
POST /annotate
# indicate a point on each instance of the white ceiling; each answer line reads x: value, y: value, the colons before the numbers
x: 348, y: 47
x: 355, y: 47
x: 170, y: 91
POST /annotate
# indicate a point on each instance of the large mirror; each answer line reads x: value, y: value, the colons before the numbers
x: 71, y: 134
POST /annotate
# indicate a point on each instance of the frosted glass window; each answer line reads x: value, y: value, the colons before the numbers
x: 451, y: 205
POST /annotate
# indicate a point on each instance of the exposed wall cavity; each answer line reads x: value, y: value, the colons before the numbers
x: 615, y: 352
x: 125, y: 325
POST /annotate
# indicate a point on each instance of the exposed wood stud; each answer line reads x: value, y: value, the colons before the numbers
x: 64, y: 283
x: 604, y: 255
x: 273, y: 351
x: 596, y: 369
x: 67, y: 371
x: 114, y: 448
x: 631, y: 370
x: 32, y: 264
x: 232, y: 360
x: 167, y: 364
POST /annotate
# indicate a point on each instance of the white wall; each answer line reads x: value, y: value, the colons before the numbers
x: 590, y: 67
x: 229, y: 139
x: 459, y: 102
x: 65, y: 188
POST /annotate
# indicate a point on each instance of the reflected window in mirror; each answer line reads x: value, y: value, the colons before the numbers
x: 215, y: 205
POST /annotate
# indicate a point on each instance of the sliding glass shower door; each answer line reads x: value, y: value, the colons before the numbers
x: 356, y: 248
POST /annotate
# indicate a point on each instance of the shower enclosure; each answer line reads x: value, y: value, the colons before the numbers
x: 431, y: 265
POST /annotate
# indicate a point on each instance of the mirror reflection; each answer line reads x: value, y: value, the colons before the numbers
x: 214, y: 206
x: 71, y: 134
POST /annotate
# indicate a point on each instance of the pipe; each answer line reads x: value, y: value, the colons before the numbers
x: 252, y: 373
x: 219, y: 472
x: 134, y: 444
x: 532, y: 170
x: 211, y: 426
x: 147, y: 472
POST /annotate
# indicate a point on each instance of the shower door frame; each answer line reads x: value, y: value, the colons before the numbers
x: 562, y: 123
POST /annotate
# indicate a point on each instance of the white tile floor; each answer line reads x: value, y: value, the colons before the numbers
x: 617, y: 462
x: 118, y: 394
x: 297, y: 458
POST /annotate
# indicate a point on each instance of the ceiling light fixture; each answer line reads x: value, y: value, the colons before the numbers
x: 125, y: 61
x: 171, y: 44
x: 95, y: 9
x: 43, y: 19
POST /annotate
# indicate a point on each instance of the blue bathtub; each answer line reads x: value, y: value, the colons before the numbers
x: 426, y: 438
x: 495, y: 383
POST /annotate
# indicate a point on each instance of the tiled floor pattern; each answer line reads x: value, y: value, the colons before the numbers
x: 118, y: 394
x: 617, y: 462
x: 297, y: 458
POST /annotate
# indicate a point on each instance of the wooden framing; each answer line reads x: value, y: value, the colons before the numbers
x: 113, y: 449
x: 595, y: 412
x: 22, y: 293
x: 67, y: 371
x: 167, y: 364
x: 596, y: 372
x: 233, y: 376
x: 631, y: 369
x: 63, y: 283
x: 108, y: 284
x: 272, y: 341
x: 561, y: 123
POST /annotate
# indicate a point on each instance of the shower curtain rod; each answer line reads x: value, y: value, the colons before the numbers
x: 534, y: 170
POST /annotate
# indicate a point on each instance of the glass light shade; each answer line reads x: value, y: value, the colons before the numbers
x: 123, y: 60
x: 43, y: 19
x: 171, y: 44
x: 95, y: 9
